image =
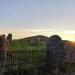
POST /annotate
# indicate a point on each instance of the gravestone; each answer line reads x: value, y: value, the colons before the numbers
x: 55, y: 47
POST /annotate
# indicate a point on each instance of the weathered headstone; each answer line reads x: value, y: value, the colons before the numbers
x: 55, y: 53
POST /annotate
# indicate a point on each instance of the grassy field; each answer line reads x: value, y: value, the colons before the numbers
x: 21, y: 45
x: 26, y: 44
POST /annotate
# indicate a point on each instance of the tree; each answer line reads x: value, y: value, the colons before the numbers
x: 9, y: 37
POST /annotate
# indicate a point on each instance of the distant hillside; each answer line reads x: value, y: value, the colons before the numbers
x: 30, y: 43
x: 38, y: 38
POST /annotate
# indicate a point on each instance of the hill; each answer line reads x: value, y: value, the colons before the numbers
x: 29, y: 43
x: 39, y: 38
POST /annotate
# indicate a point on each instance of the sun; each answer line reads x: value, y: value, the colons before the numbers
x: 70, y: 35
x: 73, y: 39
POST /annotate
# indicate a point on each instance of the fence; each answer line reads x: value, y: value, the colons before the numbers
x: 26, y: 62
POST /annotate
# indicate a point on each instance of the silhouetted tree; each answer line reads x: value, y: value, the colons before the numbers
x: 9, y: 37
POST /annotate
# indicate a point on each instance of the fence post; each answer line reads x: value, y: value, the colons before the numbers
x: 55, y: 47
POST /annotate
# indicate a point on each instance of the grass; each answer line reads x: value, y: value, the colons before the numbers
x: 21, y: 45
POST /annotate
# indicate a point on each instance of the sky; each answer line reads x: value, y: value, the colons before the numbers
x: 25, y: 18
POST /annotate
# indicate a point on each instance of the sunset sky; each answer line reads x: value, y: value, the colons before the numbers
x: 25, y: 18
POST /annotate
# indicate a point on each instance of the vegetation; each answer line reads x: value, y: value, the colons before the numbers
x: 34, y: 45
x: 30, y: 43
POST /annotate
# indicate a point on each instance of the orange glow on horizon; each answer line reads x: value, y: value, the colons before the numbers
x: 23, y: 33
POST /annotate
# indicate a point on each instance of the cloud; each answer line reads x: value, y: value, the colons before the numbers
x: 69, y: 32
x: 22, y: 33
